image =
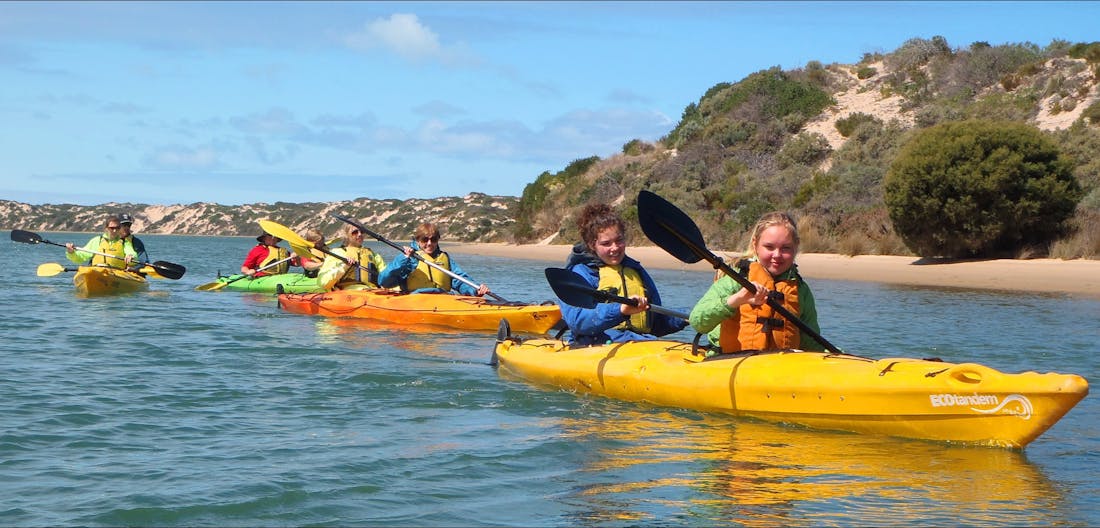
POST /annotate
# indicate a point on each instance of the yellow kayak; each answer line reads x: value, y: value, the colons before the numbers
x: 100, y: 280
x: 914, y: 398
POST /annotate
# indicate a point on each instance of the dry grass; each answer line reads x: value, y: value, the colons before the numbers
x: 1084, y: 242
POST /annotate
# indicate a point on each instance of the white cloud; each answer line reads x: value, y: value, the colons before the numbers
x: 402, y: 34
x: 177, y: 157
x: 273, y: 122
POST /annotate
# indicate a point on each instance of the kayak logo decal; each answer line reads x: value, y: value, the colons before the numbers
x: 1014, y: 404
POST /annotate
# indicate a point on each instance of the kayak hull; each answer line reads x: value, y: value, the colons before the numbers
x: 443, y: 310
x: 93, y: 281
x: 291, y: 283
x: 933, y: 400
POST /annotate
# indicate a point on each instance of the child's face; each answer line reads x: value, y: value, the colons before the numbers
x: 776, y: 249
x: 610, y: 246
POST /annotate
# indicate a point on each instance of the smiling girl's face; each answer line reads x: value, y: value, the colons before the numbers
x: 776, y: 248
x: 610, y: 246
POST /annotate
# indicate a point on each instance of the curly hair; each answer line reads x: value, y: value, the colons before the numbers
x: 595, y: 218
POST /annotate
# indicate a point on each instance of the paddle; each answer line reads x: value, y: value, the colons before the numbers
x: 167, y: 270
x: 217, y: 285
x: 288, y: 234
x: 50, y: 269
x: 573, y: 290
x: 304, y: 252
x: 675, y: 232
x: 380, y: 238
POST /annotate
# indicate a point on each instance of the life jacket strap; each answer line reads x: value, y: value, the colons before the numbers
x: 770, y: 323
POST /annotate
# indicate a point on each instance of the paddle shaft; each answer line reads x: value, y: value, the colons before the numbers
x: 264, y: 268
x: 604, y: 296
x: 44, y: 241
x: 383, y: 239
x: 565, y: 282
x: 219, y: 285
x: 720, y: 264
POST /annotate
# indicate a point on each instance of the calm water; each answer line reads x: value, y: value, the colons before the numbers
x: 178, y: 407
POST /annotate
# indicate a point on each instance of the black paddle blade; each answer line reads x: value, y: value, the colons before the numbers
x: 571, y: 288
x: 670, y: 228
x: 26, y: 237
x: 168, y: 270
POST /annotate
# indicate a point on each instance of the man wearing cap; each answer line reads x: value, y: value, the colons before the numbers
x: 266, y: 253
x: 126, y: 232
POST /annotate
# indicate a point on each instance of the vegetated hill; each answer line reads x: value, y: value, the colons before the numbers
x: 817, y: 141
x: 475, y: 217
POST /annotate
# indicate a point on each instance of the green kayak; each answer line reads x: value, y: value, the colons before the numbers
x: 291, y: 282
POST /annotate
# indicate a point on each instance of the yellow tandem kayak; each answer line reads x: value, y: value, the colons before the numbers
x: 914, y: 398
x: 100, y: 280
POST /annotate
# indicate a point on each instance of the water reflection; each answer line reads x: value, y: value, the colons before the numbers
x: 757, y: 474
x: 369, y: 334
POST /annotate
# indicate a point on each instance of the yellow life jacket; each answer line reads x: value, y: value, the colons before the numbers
x: 425, y: 276
x: 115, y: 248
x: 356, y: 275
x: 275, y: 254
x: 626, y: 281
x: 760, y: 327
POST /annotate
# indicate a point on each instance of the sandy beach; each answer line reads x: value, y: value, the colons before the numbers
x: 1079, y: 278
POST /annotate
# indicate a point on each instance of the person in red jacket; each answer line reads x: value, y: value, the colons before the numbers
x: 267, y: 256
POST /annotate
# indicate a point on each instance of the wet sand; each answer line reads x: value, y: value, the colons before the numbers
x: 1079, y: 278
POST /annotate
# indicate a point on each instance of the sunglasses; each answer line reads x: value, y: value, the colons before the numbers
x: 426, y: 239
x: 355, y: 232
x: 113, y: 228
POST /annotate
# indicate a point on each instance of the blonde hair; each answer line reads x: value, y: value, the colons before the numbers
x: 313, y: 235
x: 345, y: 232
x: 772, y: 219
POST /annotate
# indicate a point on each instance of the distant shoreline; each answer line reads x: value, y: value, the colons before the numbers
x: 1078, y: 278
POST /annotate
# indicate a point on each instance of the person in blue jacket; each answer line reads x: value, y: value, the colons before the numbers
x: 602, y: 261
x: 414, y: 275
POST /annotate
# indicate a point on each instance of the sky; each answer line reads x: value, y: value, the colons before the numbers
x: 246, y: 102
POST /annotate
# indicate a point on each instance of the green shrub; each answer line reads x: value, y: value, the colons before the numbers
x: 535, y: 194
x: 1089, y: 51
x: 916, y: 52
x: 865, y: 72
x: 847, y: 125
x: 637, y: 147
x: 1091, y: 115
x: 970, y: 72
x: 979, y: 189
x: 804, y: 149
x: 1019, y: 106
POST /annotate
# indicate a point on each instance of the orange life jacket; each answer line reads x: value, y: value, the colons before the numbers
x: 760, y: 327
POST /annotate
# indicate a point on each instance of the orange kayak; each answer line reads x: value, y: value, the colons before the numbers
x: 435, y: 309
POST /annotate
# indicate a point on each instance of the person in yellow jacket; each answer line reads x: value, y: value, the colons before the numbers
x: 735, y: 319
x: 110, y: 242
x: 413, y: 274
x: 600, y: 259
x: 355, y: 268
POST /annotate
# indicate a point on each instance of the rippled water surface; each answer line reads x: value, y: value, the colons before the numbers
x: 178, y: 407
